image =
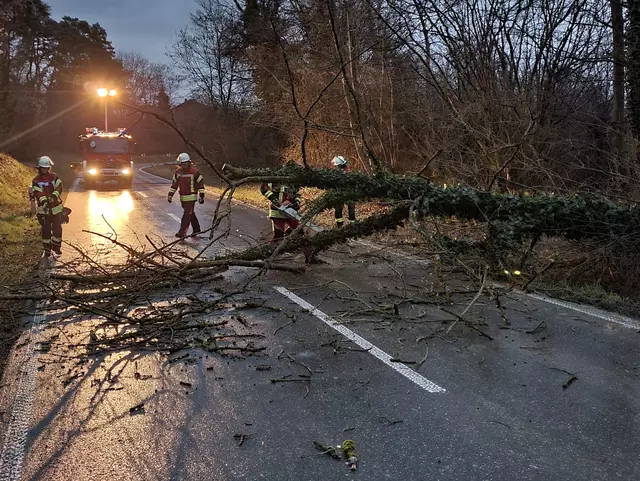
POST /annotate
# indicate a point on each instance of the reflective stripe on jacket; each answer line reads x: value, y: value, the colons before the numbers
x: 189, y: 182
x: 277, y: 194
x: 47, y: 187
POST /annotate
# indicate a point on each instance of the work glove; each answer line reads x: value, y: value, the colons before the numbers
x: 201, y: 199
x: 65, y: 215
x: 169, y: 198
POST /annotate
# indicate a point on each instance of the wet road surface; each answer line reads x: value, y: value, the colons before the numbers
x: 546, y: 393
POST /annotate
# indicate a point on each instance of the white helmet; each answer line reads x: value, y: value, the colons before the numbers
x: 339, y: 161
x: 45, y: 162
x: 183, y: 157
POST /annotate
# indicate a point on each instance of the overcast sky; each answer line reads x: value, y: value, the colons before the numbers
x: 145, y: 26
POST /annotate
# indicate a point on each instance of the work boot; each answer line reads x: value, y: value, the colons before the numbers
x: 179, y: 235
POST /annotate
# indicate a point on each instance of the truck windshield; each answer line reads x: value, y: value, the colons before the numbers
x: 108, y: 145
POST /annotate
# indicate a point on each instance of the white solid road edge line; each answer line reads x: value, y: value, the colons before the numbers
x: 410, y: 374
x: 627, y: 322
x: 144, y: 172
x: 15, y: 440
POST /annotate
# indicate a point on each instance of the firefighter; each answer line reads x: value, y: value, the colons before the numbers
x: 190, y: 183
x: 340, y: 163
x: 46, y: 189
x: 281, y: 195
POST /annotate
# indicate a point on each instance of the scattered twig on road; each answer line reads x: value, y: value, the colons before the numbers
x: 468, y: 323
x: 288, y: 380
x: 423, y: 360
x: 328, y: 450
x: 284, y: 325
x: 402, y: 361
x: 361, y: 384
x: 390, y: 422
x: 241, y: 437
x: 532, y: 331
x: 569, y: 381
x: 498, y: 422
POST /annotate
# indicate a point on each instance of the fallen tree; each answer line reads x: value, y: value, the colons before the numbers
x: 132, y: 304
x: 510, y: 218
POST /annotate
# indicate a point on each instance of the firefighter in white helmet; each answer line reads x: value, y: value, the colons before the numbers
x: 190, y: 183
x: 46, y: 189
x: 340, y: 163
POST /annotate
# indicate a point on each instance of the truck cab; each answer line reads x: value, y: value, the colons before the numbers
x: 107, y: 157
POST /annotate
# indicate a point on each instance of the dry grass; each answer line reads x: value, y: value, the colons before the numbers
x: 18, y: 229
x: 19, y: 240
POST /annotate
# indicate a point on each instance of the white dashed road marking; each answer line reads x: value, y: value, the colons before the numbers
x: 378, y: 353
x: 174, y: 217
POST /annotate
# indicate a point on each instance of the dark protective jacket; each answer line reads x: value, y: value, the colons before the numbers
x: 189, y: 182
x: 277, y: 195
x: 47, y: 190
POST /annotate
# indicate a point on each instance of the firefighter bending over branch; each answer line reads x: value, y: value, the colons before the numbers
x: 190, y: 183
x: 340, y: 163
x: 46, y: 190
x: 281, y: 195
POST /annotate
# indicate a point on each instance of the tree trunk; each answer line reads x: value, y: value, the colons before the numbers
x: 617, y: 22
x: 633, y: 66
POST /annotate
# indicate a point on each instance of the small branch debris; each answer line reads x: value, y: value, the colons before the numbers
x: 240, y: 437
x: 135, y: 410
x: 329, y: 450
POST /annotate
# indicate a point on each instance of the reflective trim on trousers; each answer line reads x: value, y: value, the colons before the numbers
x: 276, y: 214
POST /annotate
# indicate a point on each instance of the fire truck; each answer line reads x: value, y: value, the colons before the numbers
x: 107, y: 157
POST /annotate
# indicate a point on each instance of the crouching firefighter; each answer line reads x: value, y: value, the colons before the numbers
x: 46, y: 191
x: 190, y: 183
x: 281, y: 195
x: 340, y: 163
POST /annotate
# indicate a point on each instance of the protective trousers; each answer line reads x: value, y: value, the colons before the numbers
x: 352, y: 213
x: 189, y: 217
x: 51, y: 233
x: 283, y: 227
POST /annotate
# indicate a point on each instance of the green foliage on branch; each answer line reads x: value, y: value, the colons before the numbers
x: 511, y: 218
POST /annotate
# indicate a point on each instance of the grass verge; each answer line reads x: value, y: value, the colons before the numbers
x: 20, y: 245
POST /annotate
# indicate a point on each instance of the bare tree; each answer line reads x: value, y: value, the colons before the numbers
x: 147, y: 80
x: 204, y: 54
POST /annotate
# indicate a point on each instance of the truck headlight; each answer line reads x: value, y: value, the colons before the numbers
x: 125, y: 171
x: 93, y: 171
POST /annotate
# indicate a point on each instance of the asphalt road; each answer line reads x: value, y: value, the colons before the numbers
x: 542, y: 393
